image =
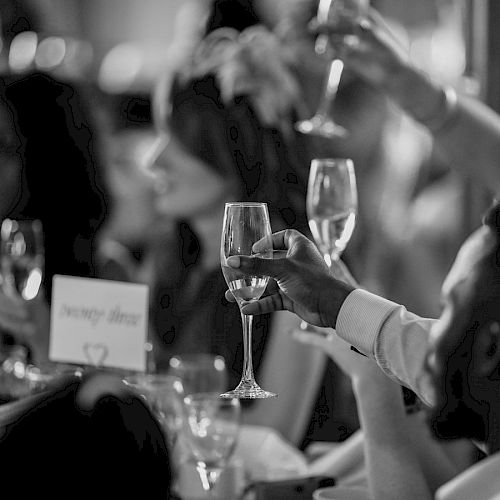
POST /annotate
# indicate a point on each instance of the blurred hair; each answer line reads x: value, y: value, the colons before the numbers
x: 90, y: 438
x: 230, y: 138
x: 237, y: 14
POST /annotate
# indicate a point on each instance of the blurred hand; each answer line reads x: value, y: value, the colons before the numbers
x: 374, y: 54
x: 302, y: 282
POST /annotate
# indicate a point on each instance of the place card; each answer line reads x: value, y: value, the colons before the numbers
x: 99, y: 322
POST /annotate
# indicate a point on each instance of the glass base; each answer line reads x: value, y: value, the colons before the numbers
x: 318, y: 125
x: 248, y: 390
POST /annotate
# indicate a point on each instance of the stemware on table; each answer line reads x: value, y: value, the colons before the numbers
x: 211, y: 426
x: 164, y: 394
x: 22, y: 266
x: 22, y: 257
x: 339, y: 13
x: 244, y: 224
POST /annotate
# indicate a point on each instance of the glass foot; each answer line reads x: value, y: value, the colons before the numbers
x: 318, y: 125
x: 248, y: 390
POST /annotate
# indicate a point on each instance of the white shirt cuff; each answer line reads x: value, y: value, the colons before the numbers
x: 361, y: 317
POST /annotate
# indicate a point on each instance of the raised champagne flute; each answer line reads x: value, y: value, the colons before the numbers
x: 340, y: 14
x: 332, y: 203
x: 331, y: 207
x: 244, y: 224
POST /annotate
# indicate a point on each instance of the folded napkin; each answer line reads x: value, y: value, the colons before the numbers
x: 268, y: 456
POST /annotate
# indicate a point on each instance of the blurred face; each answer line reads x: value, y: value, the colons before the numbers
x: 185, y: 186
x: 457, y: 408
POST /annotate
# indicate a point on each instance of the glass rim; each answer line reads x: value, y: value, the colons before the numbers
x: 197, y: 397
x: 200, y: 358
x: 246, y: 204
x: 332, y: 162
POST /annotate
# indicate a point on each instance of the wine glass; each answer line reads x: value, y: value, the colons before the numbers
x: 331, y: 207
x: 22, y: 257
x: 212, y: 426
x: 164, y: 394
x: 199, y: 372
x: 244, y: 224
x: 339, y: 13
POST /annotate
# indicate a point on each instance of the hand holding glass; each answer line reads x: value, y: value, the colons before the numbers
x: 340, y: 14
x: 244, y: 224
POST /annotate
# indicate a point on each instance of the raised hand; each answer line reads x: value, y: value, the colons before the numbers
x: 303, y: 283
x: 375, y: 54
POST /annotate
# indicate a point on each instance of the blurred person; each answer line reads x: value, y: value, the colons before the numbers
x: 103, y: 441
x: 225, y: 142
x: 403, y: 459
x: 134, y: 232
x: 451, y: 362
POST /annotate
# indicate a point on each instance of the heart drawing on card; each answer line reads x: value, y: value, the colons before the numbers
x: 96, y: 353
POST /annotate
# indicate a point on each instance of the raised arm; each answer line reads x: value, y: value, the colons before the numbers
x: 303, y: 284
x: 402, y: 459
x: 465, y: 130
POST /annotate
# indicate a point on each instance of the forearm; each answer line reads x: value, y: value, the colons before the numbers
x: 393, y: 466
x: 386, y: 331
x: 469, y: 137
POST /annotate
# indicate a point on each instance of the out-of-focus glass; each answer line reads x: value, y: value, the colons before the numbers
x: 211, y: 426
x: 22, y: 257
x: 164, y: 394
x: 200, y: 372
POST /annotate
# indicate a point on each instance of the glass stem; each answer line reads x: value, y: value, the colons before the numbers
x: 247, y: 321
x: 331, y: 87
x: 208, y: 476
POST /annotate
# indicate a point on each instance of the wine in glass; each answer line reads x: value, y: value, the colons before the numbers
x: 244, y: 224
x: 212, y: 426
x: 340, y: 14
x: 22, y: 257
x: 331, y: 208
x: 331, y: 205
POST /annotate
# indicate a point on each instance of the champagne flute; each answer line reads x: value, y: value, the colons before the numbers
x: 22, y: 257
x: 341, y: 14
x: 212, y: 426
x: 244, y: 224
x: 331, y: 207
